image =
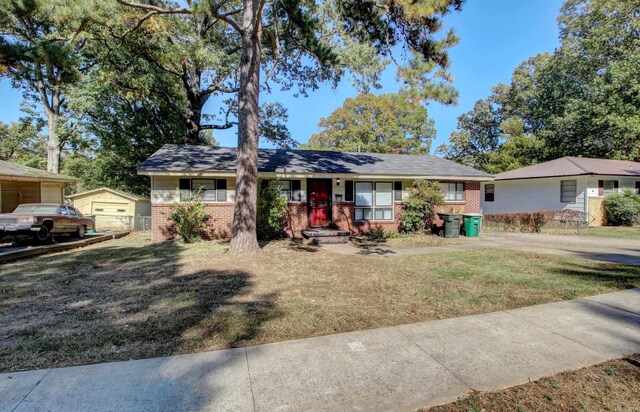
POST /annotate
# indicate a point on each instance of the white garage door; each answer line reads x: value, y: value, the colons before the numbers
x: 110, y: 215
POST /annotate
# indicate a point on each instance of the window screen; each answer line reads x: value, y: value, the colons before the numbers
x: 568, y: 191
x: 364, y: 193
x: 454, y: 191
x: 489, y: 192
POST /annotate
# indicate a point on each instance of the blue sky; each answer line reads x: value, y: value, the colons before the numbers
x: 495, y: 36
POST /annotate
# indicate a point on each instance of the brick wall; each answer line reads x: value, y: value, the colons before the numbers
x: 296, y: 219
x: 219, y: 225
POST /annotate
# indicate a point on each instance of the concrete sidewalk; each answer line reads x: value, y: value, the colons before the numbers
x: 395, y: 368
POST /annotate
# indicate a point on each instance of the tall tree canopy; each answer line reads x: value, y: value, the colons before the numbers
x: 388, y: 123
x: 40, y: 51
x: 583, y: 99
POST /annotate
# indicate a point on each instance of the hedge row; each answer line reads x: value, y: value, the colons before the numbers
x: 533, y: 221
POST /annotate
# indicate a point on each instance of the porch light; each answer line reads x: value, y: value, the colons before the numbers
x: 338, y: 181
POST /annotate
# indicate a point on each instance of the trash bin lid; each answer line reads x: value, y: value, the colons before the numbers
x: 472, y: 214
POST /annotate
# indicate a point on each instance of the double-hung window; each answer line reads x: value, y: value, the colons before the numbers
x: 489, y: 192
x: 568, y: 191
x: 373, y: 200
x: 208, y: 190
x: 291, y: 189
x: 608, y: 187
x: 453, y: 192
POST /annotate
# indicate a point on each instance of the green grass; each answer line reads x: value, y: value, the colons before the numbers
x: 615, y: 231
x: 128, y: 298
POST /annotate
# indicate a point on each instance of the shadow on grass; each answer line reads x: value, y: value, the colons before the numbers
x: 604, y: 273
x: 115, y: 303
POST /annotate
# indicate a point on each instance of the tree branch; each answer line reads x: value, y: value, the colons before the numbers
x: 156, y: 9
x: 225, y: 126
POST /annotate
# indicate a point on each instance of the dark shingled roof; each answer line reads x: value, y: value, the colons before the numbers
x: 574, y: 166
x: 181, y: 158
x: 8, y: 169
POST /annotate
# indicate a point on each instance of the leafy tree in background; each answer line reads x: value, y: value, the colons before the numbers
x: 477, y: 134
x: 582, y: 100
x: 23, y: 143
x: 40, y: 52
x: 388, y: 123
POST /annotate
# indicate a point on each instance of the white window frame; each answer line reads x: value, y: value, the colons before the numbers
x: 378, y: 208
x: 568, y: 197
x: 453, y: 195
x: 196, y: 184
x: 287, y: 193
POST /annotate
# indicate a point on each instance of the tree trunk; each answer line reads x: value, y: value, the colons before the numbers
x: 192, y: 120
x: 243, y: 233
x: 53, y: 144
x: 193, y: 112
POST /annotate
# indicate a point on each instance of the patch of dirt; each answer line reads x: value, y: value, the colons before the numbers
x: 610, y: 386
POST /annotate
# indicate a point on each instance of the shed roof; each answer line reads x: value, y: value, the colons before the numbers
x: 182, y: 158
x: 574, y: 166
x: 8, y: 169
x: 127, y: 195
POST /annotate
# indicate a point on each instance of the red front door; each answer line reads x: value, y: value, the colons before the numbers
x: 319, y: 201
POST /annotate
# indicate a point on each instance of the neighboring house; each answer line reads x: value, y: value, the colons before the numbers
x: 22, y: 184
x: 576, y: 183
x: 354, y: 192
x: 112, y: 209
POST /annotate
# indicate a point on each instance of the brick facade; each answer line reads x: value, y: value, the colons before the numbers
x: 219, y: 225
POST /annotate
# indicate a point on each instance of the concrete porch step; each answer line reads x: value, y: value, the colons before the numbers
x: 326, y: 236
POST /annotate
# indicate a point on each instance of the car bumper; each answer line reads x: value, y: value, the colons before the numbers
x: 18, y: 229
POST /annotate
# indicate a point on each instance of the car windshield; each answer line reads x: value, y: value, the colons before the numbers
x: 49, y: 209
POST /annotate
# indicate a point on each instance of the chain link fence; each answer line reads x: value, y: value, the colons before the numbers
x: 113, y: 222
x: 540, y: 221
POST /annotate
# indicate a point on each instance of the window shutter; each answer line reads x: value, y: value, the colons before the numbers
x: 600, y: 187
x: 221, y: 190
x: 615, y: 186
x: 296, y: 190
x: 397, y: 191
x: 348, y: 191
x: 185, y: 188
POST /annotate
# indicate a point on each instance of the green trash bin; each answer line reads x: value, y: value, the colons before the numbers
x: 472, y: 224
x: 451, y: 225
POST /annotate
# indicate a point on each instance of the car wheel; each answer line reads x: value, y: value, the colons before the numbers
x: 82, y: 230
x: 43, y: 235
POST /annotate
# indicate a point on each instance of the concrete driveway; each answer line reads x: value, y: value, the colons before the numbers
x: 616, y: 250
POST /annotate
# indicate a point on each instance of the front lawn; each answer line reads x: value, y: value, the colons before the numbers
x: 129, y: 299
x: 610, y: 386
x: 615, y: 231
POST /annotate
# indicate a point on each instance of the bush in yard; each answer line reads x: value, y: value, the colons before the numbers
x: 420, y: 206
x: 272, y: 211
x: 190, y: 218
x: 623, y: 209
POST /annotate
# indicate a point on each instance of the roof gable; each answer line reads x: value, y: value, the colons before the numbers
x: 573, y: 166
x: 177, y: 158
x: 129, y: 196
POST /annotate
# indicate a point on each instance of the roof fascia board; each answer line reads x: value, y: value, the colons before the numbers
x: 313, y: 175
